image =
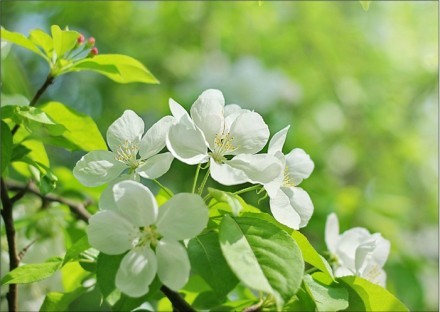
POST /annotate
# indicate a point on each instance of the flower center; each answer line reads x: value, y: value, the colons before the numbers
x: 223, y: 143
x: 127, y: 153
x: 147, y: 236
x: 287, y: 181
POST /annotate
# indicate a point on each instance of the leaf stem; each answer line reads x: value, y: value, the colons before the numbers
x: 163, y: 188
x: 195, y: 178
x: 248, y: 189
x: 179, y: 304
x: 202, y: 185
x: 46, y: 84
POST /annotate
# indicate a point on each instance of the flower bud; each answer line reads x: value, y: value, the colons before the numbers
x: 93, y: 52
x: 80, y: 40
x: 91, y: 42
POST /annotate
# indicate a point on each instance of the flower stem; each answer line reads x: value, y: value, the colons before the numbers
x: 163, y: 188
x: 248, y: 189
x: 205, y: 178
x: 195, y: 178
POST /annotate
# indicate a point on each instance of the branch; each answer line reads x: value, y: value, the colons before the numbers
x: 79, y: 209
x: 46, y: 84
x: 6, y: 213
x: 179, y: 304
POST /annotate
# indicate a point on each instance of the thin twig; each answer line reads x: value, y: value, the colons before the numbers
x: 179, y: 304
x: 6, y: 213
x: 79, y: 209
x: 25, y: 249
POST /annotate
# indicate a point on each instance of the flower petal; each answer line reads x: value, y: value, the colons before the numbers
x: 154, y: 140
x: 227, y: 175
x: 277, y: 142
x: 106, y: 200
x: 332, y: 232
x: 156, y: 166
x: 187, y: 144
x: 184, y: 216
x: 97, y: 168
x: 135, y: 202
x: 127, y: 128
x: 261, y: 168
x: 110, y: 232
x: 250, y: 133
x: 230, y: 109
x: 348, y: 243
x: 283, y: 212
x: 300, y: 202
x: 382, y: 250
x: 136, y: 272
x: 207, y: 114
x: 177, y: 110
x: 173, y: 264
x: 299, y: 165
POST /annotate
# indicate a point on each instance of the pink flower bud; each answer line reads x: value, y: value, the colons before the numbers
x: 91, y: 42
x: 93, y: 52
x: 80, y: 39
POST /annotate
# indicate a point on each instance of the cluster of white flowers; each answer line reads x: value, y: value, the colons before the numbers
x: 228, y: 140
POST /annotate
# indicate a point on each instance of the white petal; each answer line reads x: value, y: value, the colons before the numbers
x: 156, y: 166
x: 332, y: 232
x: 273, y: 186
x: 226, y: 175
x: 230, y: 109
x: 184, y: 216
x: 127, y: 128
x: 300, y: 202
x: 136, y: 272
x: 343, y: 271
x: 348, y: 243
x: 362, y: 255
x: 135, y: 202
x: 154, y: 140
x: 187, y: 144
x: 97, y: 168
x: 110, y: 232
x: 283, y: 212
x: 299, y: 165
x: 173, y: 264
x: 177, y: 110
x: 277, y: 142
x: 250, y: 133
x: 260, y: 168
x: 207, y: 114
x: 382, y: 250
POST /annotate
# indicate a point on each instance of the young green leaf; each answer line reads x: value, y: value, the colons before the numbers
x: 127, y: 68
x: 370, y: 297
x: 106, y: 269
x: 42, y: 39
x: 57, y: 302
x: 21, y: 41
x: 262, y: 256
x: 225, y: 197
x: 81, y: 133
x: 325, y: 297
x: 76, y: 249
x: 207, y: 260
x: 30, y: 273
x: 311, y: 256
x: 6, y: 153
x: 63, y: 40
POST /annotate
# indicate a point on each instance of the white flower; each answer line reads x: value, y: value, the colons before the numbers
x: 128, y: 150
x: 131, y: 220
x: 357, y: 252
x: 215, y: 131
x: 290, y: 204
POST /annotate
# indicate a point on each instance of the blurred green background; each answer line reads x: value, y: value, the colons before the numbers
x: 359, y: 89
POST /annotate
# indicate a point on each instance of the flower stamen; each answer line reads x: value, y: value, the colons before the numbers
x: 127, y: 153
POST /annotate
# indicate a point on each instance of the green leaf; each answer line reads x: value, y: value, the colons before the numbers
x: 76, y: 249
x: 207, y: 260
x: 365, y: 4
x: 20, y: 40
x: 106, y: 269
x: 326, y: 298
x: 19, y: 151
x: 42, y: 39
x: 262, y: 256
x: 370, y: 297
x: 231, y: 199
x: 311, y: 256
x: 81, y: 133
x: 63, y: 40
x: 30, y: 273
x: 35, y: 120
x: 128, y: 69
x: 6, y: 153
x: 56, y: 301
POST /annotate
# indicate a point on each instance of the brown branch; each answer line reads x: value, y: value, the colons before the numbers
x: 6, y: 213
x: 179, y: 304
x: 46, y: 84
x: 77, y: 208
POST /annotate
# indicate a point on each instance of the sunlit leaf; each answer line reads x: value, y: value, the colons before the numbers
x: 63, y: 40
x: 76, y: 249
x: 226, y: 197
x: 20, y: 40
x: 6, y: 152
x: 42, y: 39
x: 262, y: 256
x: 30, y: 273
x: 127, y: 68
x: 326, y: 298
x: 56, y: 301
x: 365, y: 4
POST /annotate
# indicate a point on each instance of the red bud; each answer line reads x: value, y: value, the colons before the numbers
x: 80, y: 39
x: 93, y: 52
x: 91, y: 42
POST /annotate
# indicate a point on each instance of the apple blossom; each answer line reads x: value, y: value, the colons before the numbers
x: 131, y: 221
x: 357, y: 252
x: 129, y: 152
